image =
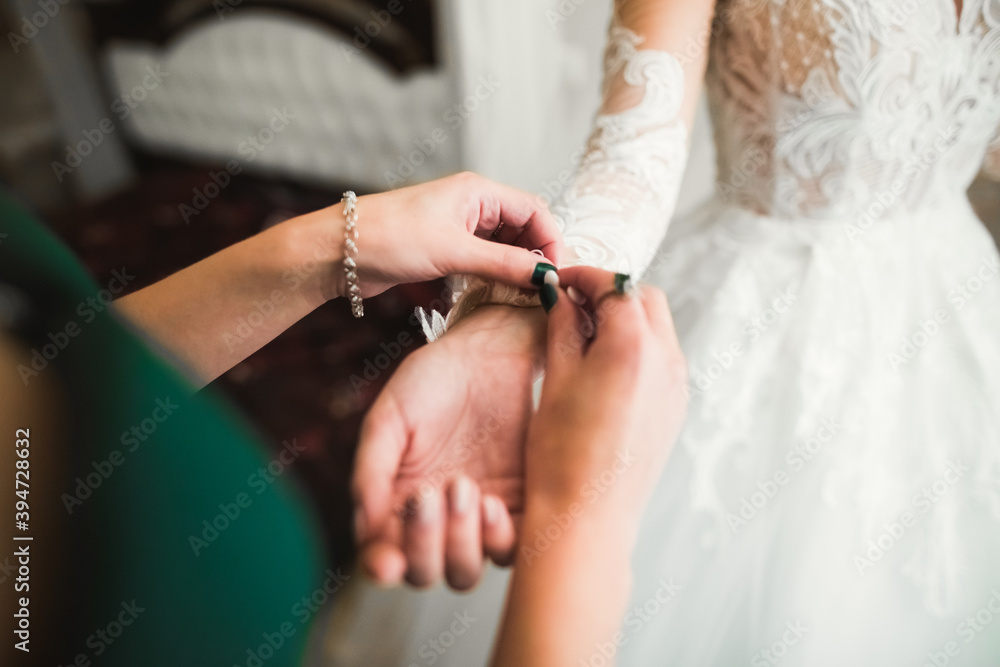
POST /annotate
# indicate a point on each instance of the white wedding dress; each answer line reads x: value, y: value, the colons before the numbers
x: 834, y: 497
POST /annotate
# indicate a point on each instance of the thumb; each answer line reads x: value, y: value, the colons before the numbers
x: 569, y: 332
x: 504, y: 263
x: 380, y: 450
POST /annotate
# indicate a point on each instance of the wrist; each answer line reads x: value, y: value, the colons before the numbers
x: 504, y: 331
x: 571, y: 472
x: 313, y: 254
x: 608, y: 531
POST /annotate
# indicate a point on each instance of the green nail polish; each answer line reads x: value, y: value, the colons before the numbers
x: 623, y: 282
x: 538, y: 277
x: 548, y: 295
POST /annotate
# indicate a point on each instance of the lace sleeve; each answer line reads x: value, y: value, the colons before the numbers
x: 616, y: 210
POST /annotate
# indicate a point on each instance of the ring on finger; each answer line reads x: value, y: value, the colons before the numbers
x: 624, y: 286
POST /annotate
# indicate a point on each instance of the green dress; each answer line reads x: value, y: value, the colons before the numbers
x: 177, y: 521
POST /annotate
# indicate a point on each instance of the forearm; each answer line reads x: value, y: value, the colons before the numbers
x: 570, y: 586
x: 216, y: 313
x: 616, y: 210
x: 680, y: 28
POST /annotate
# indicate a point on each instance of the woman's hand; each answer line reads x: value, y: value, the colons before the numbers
x: 456, y: 409
x: 214, y: 314
x: 613, y: 400
x: 611, y: 408
x: 448, y: 227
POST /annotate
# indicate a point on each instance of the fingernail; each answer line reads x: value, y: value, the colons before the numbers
x: 538, y: 277
x: 552, y: 278
x: 360, y: 528
x: 461, y: 496
x: 491, y: 512
x: 548, y: 295
x: 623, y: 282
x: 575, y: 296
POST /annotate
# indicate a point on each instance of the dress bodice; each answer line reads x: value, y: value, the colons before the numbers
x: 845, y: 108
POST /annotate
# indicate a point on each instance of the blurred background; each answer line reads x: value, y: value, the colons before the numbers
x: 152, y: 133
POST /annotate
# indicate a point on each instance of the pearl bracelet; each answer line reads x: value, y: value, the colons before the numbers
x: 351, y: 253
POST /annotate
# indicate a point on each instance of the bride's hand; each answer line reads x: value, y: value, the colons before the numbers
x: 451, y: 421
x: 445, y: 227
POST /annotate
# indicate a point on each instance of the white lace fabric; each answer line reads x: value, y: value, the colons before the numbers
x: 615, y: 212
x: 847, y: 134
x: 821, y: 108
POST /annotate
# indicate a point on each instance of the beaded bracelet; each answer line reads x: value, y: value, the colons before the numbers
x: 351, y: 253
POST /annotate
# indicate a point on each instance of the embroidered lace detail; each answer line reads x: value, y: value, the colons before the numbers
x: 824, y: 112
x: 615, y: 212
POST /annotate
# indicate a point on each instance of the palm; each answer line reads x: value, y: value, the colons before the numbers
x: 462, y: 415
x: 462, y: 406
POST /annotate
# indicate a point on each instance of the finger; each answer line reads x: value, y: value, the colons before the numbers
x: 590, y: 282
x: 423, y: 541
x: 615, y: 312
x: 527, y: 220
x: 463, y: 547
x: 499, y: 537
x: 383, y: 440
x: 570, y: 330
x: 381, y: 556
x: 495, y: 261
x: 383, y: 562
